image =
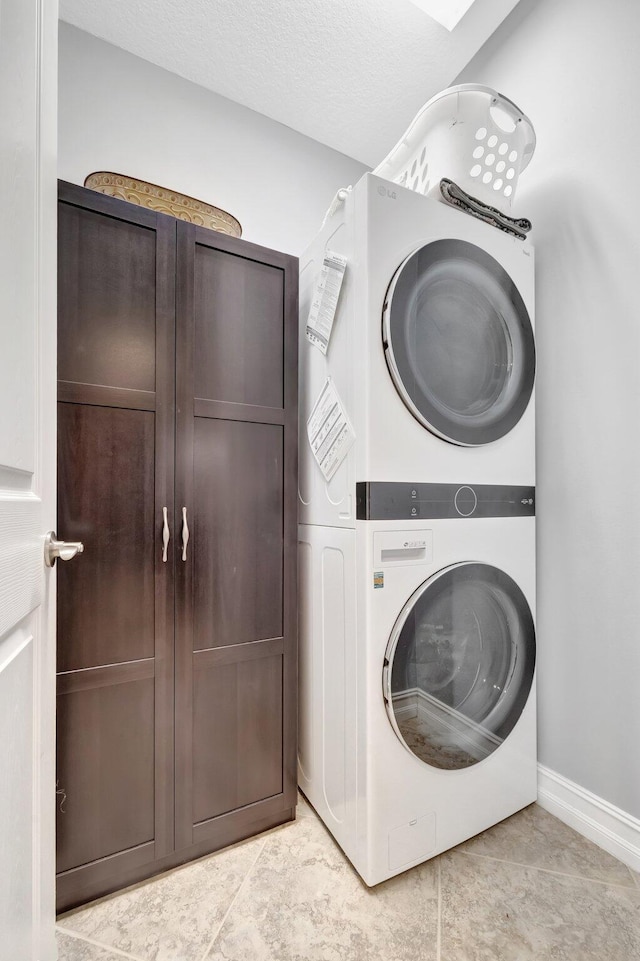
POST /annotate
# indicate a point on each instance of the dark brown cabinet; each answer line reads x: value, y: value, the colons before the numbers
x: 177, y: 676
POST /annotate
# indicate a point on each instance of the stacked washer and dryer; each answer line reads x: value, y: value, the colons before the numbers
x: 417, y: 725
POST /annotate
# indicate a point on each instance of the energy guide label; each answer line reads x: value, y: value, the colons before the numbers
x: 325, y: 300
x: 329, y: 430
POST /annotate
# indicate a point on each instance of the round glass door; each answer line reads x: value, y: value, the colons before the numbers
x: 459, y: 665
x: 459, y: 343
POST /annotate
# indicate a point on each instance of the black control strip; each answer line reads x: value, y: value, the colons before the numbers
x: 390, y: 501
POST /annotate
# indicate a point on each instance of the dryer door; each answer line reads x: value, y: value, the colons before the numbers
x: 459, y: 665
x: 459, y: 342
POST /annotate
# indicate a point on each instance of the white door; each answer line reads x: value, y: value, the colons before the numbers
x: 28, y: 84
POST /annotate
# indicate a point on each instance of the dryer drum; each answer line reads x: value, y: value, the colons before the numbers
x: 459, y: 342
x: 461, y: 659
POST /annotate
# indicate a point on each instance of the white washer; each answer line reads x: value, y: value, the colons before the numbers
x: 432, y: 351
x: 417, y: 670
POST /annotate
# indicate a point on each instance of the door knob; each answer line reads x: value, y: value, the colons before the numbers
x: 65, y: 550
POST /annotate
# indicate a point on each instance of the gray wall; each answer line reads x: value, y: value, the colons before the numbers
x: 120, y: 113
x: 573, y: 67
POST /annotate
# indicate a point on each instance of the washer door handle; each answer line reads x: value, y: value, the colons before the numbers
x: 385, y: 681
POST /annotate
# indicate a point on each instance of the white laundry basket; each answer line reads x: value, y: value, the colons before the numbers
x: 469, y: 134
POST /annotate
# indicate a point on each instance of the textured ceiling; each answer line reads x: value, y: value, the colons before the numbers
x: 349, y: 73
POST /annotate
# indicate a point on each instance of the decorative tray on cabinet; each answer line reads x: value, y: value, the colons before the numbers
x: 164, y: 201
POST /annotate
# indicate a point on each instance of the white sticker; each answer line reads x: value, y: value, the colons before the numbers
x: 325, y: 300
x: 329, y: 430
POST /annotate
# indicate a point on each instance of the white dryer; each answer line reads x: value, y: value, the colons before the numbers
x: 432, y: 351
x: 417, y: 669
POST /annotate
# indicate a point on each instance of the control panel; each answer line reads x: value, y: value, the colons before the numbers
x: 391, y: 500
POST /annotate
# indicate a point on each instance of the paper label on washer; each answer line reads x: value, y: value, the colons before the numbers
x: 329, y: 430
x: 325, y: 300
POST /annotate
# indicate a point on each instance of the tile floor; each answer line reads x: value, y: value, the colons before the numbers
x: 530, y: 889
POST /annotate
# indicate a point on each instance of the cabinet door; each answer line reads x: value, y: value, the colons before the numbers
x: 236, y: 468
x: 116, y: 336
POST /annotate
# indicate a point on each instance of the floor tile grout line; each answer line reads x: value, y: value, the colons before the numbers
x: 535, y: 867
x: 233, y: 901
x: 97, y: 944
x: 439, y: 920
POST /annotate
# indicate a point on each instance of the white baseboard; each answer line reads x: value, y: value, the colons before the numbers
x: 596, y: 819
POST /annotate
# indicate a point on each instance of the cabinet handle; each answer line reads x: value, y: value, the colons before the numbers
x: 166, y: 535
x: 185, y: 533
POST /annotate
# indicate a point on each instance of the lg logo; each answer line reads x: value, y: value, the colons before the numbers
x: 384, y: 192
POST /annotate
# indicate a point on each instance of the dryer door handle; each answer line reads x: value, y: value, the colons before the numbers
x: 385, y: 681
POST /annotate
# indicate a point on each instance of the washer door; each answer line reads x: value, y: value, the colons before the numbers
x: 459, y: 343
x: 459, y: 665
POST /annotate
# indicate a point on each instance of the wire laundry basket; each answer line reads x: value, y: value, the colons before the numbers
x: 469, y: 134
